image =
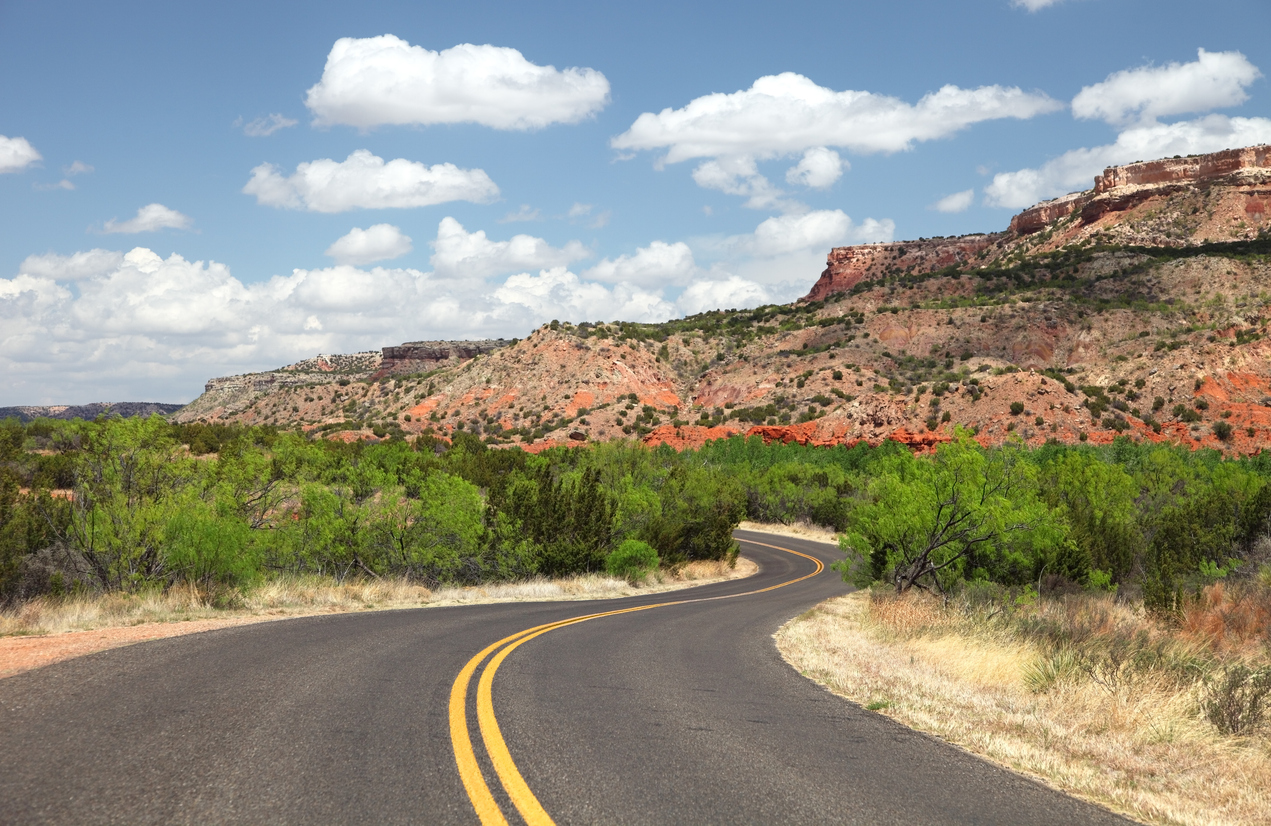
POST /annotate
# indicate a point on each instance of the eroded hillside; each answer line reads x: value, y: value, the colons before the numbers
x: 1093, y: 322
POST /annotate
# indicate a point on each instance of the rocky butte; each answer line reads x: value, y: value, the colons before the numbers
x: 1240, y: 177
x: 1140, y: 308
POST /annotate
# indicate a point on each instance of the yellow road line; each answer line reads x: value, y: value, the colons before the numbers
x: 461, y: 741
x: 469, y: 771
x: 510, y: 777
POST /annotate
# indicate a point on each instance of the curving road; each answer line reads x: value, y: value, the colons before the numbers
x: 682, y: 713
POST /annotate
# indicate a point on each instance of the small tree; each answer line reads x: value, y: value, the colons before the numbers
x: 928, y: 522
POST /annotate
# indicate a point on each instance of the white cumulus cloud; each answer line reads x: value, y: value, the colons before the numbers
x: 17, y: 154
x: 819, y: 168
x: 150, y: 218
x: 1034, y: 5
x: 733, y: 292
x: 366, y: 181
x: 561, y: 293
x: 372, y: 81
x: 268, y: 125
x: 72, y: 267
x: 459, y: 253
x: 1215, y: 80
x: 656, y: 265
x: 380, y: 242
x: 788, y: 114
x: 957, y: 202
x: 739, y: 175
x: 819, y: 230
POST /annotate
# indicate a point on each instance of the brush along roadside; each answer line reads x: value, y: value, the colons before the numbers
x: 38, y: 632
x: 1086, y: 694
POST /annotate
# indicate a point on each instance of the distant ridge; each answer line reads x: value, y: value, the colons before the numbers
x: 26, y: 413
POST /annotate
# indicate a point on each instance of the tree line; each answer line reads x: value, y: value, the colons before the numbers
x: 124, y: 504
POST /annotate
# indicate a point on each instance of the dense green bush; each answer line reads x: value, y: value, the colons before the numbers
x: 633, y: 560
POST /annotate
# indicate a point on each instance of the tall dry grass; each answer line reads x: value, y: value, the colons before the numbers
x: 299, y: 595
x: 1088, y: 694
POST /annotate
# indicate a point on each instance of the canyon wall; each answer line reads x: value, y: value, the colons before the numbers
x: 1117, y: 190
x: 1121, y: 187
x: 1194, y: 169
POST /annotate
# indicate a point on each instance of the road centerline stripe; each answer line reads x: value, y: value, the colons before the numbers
x: 513, y: 782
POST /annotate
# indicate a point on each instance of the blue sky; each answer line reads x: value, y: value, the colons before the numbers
x: 197, y: 192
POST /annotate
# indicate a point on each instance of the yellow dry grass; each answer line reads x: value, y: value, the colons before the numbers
x: 1142, y: 748
x: 299, y: 596
x: 799, y: 530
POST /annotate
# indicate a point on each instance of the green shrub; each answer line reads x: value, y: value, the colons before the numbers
x: 1017, y: 408
x: 633, y: 560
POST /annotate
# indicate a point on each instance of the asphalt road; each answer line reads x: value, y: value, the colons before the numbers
x: 683, y: 713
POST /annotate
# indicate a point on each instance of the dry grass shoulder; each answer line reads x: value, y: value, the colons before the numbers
x: 799, y: 530
x: 49, y: 629
x: 1132, y: 738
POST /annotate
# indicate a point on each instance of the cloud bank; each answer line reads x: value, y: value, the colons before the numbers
x: 102, y: 324
x: 73, y: 267
x: 459, y: 253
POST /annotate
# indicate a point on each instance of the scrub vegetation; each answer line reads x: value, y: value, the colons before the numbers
x: 1134, y: 572
x: 125, y: 505
x: 1097, y: 616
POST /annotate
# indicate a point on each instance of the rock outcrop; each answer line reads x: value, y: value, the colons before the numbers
x: 1120, y: 188
x: 422, y: 356
x: 848, y: 266
x: 1243, y: 175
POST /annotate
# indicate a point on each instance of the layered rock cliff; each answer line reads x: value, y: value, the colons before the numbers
x: 1222, y: 196
x: 422, y: 356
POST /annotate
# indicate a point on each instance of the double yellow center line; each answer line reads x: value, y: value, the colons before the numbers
x: 496, y: 748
